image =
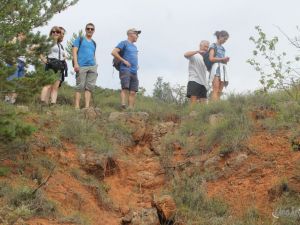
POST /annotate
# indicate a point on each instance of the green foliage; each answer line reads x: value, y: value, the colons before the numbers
x: 164, y: 92
x: 70, y: 44
x: 99, y: 189
x: 252, y: 217
x: 76, y: 218
x: 22, y: 203
x: 276, y: 70
x: 20, y: 17
x: 286, y: 117
x: 108, y: 101
x: 11, y: 127
x: 193, y: 204
x: 84, y: 132
x: 287, y: 209
x: 225, y: 124
x: 4, y: 171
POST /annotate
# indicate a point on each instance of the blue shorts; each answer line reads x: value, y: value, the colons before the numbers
x: 129, y: 81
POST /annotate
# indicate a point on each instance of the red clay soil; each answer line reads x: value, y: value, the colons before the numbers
x: 140, y: 177
x: 248, y: 186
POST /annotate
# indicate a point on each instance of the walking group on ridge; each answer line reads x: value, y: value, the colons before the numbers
x: 207, y: 68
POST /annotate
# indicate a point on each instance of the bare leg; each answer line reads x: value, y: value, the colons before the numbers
x: 193, y: 101
x: 124, y: 93
x: 87, y: 98
x: 48, y: 97
x: 132, y: 95
x: 54, y: 91
x: 221, y: 88
x: 203, y: 100
x: 77, y: 99
x: 216, y: 89
x: 45, y: 94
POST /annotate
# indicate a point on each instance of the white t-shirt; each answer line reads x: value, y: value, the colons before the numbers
x: 55, y: 50
x: 197, y: 70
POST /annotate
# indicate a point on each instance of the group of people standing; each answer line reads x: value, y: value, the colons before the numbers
x: 207, y: 67
x: 209, y: 59
x: 85, y: 66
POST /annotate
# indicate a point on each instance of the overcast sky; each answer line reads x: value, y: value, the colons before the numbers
x: 172, y: 27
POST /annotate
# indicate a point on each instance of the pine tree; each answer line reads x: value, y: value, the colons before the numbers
x: 23, y: 16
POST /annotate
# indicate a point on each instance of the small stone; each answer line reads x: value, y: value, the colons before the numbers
x: 127, y: 218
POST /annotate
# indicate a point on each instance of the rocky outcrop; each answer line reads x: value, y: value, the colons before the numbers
x: 142, y: 217
x: 157, y: 132
x: 97, y: 164
x: 137, y: 122
x: 166, y: 209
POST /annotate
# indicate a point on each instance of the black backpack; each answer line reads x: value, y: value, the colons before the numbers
x: 206, y: 60
x: 80, y: 42
x: 117, y: 63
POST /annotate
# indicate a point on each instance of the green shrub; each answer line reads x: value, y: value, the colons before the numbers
x: 4, y: 189
x: 4, y: 171
x: 287, y: 209
x: 83, y: 132
x: 76, y: 218
x: 11, y: 126
x: 231, y: 128
x: 21, y: 202
x: 193, y: 204
x: 99, y: 189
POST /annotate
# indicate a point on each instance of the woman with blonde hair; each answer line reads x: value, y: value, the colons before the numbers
x: 54, y: 61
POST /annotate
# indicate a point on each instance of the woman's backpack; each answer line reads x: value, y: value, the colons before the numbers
x: 206, y: 60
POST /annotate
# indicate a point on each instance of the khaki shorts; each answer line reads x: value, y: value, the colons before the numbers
x: 86, y: 78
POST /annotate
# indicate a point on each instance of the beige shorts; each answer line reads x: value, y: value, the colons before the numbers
x: 86, y: 78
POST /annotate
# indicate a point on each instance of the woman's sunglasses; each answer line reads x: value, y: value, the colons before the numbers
x: 90, y: 28
x: 55, y: 32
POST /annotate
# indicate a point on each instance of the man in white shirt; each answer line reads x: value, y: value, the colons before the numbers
x: 197, y: 84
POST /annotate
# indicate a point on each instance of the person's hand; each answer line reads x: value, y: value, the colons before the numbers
x: 225, y: 60
x: 76, y: 68
x: 127, y: 63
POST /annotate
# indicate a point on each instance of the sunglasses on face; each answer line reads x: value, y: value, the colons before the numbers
x: 55, y: 32
x: 90, y: 28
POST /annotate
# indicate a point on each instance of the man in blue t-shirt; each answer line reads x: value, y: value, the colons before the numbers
x: 126, y: 52
x: 85, y: 66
